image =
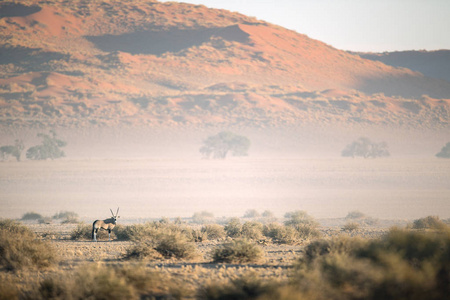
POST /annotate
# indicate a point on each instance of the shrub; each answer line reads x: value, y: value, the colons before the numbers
x: 214, y: 231
x: 20, y: 248
x: 248, y: 286
x: 252, y: 230
x: 175, y: 245
x: 355, y: 215
x: 304, y: 224
x: 430, y: 222
x: 142, y: 250
x: 401, y: 265
x: 68, y: 217
x: 233, y: 227
x: 365, y: 148
x: 203, y: 217
x: 31, y: 216
x: 350, y: 226
x: 84, y: 232
x: 281, y: 234
x: 237, y: 251
x: 251, y: 213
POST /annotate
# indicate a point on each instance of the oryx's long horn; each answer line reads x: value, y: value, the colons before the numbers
x: 111, y: 212
x: 117, y: 213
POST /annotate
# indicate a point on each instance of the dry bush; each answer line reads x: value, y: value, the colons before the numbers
x: 31, y: 216
x: 141, y: 251
x: 281, y: 234
x: 20, y: 248
x: 430, y: 222
x: 67, y: 217
x: 303, y: 223
x: 8, y: 289
x: 251, y: 214
x: 237, y: 251
x: 350, y: 226
x: 105, y: 282
x: 233, y: 227
x: 247, y: 286
x: 214, y: 231
x: 175, y: 245
x: 203, y: 217
x: 401, y: 265
x: 252, y: 230
x: 355, y: 215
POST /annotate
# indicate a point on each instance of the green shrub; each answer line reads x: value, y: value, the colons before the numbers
x: 430, y: 222
x: 20, y: 248
x: 214, y: 231
x: 237, y: 251
x: 233, y: 227
x: 31, y: 216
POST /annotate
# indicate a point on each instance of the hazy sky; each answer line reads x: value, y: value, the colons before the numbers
x: 359, y: 25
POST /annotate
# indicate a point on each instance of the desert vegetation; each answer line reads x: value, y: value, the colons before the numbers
x: 166, y: 259
x: 364, y: 147
x: 445, y: 151
x: 218, y: 146
x: 50, y: 147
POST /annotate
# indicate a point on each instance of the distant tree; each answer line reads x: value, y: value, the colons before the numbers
x: 220, y: 144
x: 50, y: 147
x: 251, y: 213
x: 13, y: 150
x: 445, y: 151
x: 364, y: 147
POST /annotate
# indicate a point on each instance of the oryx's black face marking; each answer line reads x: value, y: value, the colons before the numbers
x: 107, y: 224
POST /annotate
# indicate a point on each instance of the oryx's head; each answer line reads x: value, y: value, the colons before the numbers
x: 116, y: 216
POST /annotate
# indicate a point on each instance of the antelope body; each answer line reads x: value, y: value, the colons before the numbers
x: 107, y: 224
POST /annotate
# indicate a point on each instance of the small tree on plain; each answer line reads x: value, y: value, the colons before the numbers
x: 49, y: 148
x: 13, y: 150
x: 364, y: 147
x: 219, y: 145
x: 445, y: 151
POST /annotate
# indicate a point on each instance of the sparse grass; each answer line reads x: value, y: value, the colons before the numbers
x: 31, y: 216
x: 237, y: 251
x: 20, y: 248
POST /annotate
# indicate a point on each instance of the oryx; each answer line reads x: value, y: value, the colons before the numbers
x: 107, y: 224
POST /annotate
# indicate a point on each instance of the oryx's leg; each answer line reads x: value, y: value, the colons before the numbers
x: 109, y: 234
x: 94, y: 234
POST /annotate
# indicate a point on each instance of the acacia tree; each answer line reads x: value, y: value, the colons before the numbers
x: 219, y: 145
x: 364, y: 147
x: 445, y: 151
x: 49, y: 148
x: 13, y: 150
